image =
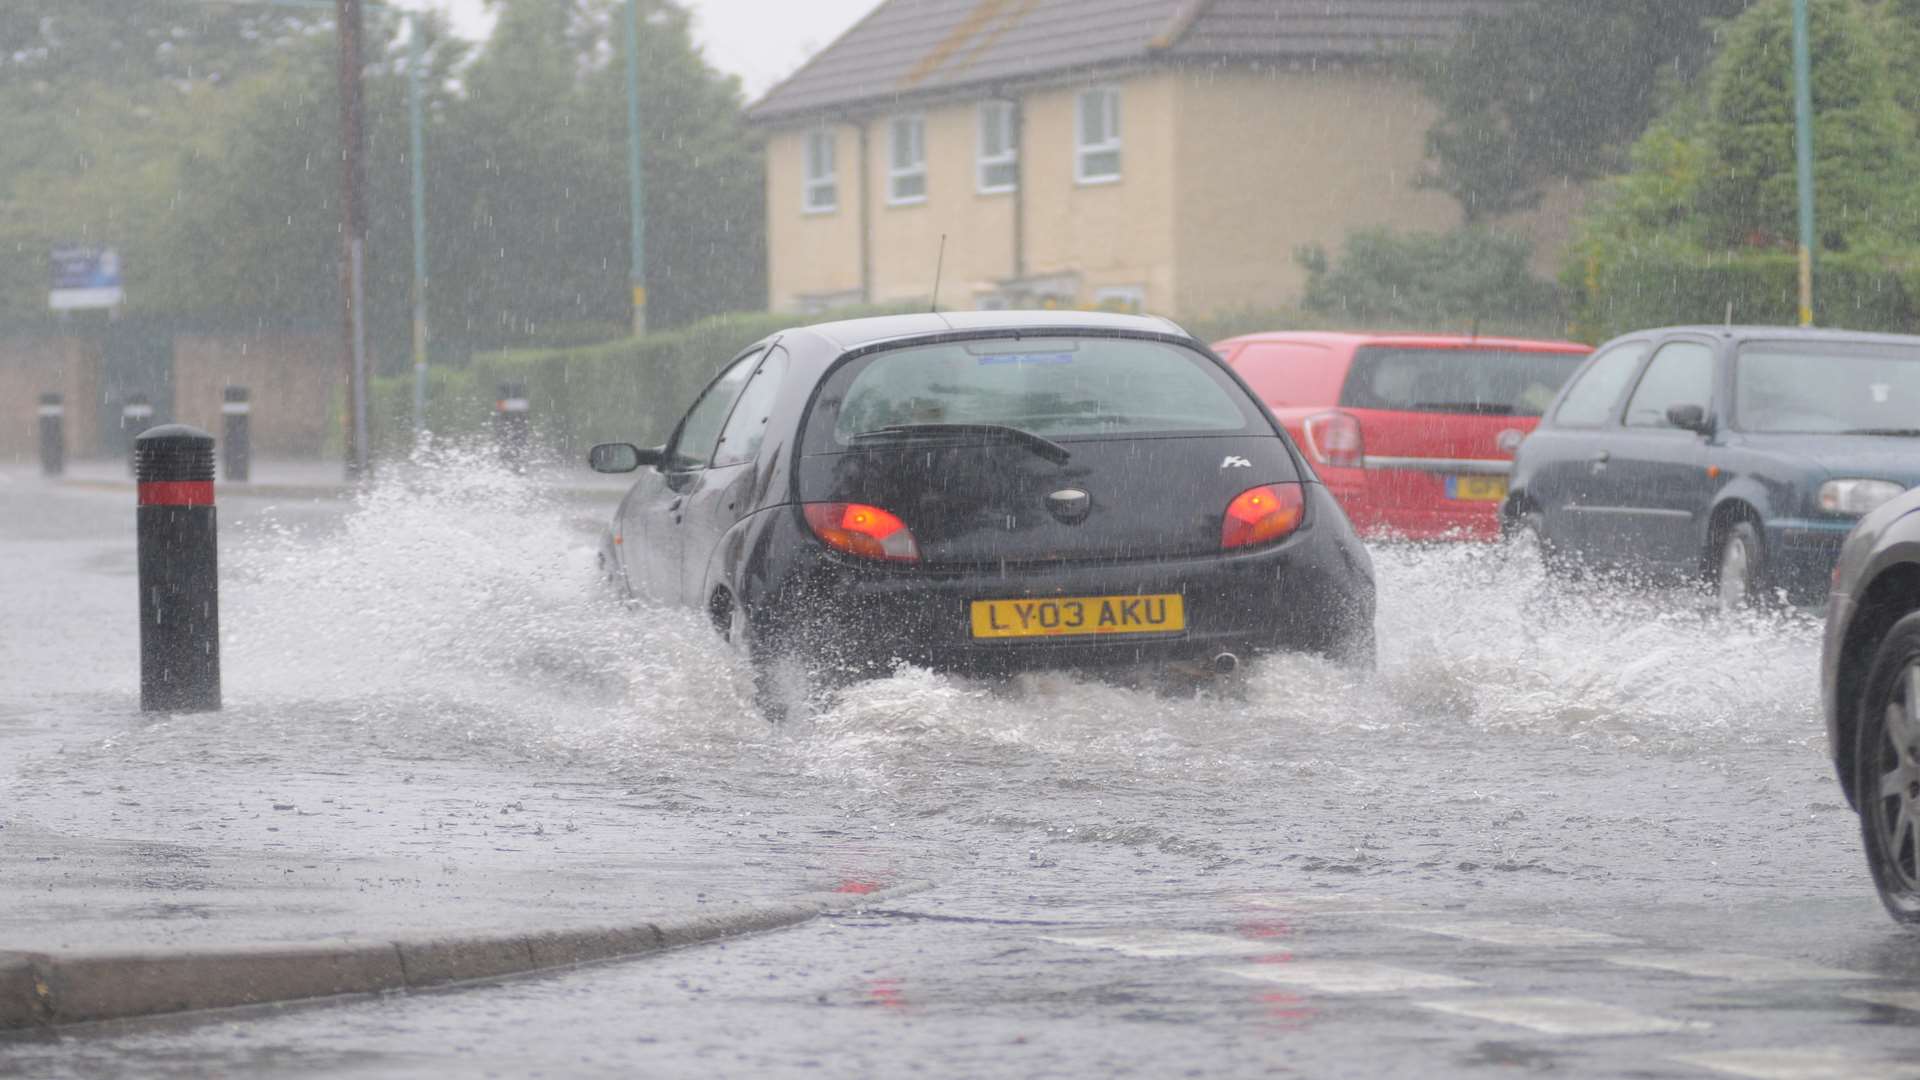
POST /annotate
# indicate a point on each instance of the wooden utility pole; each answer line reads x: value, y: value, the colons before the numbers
x: 353, y: 238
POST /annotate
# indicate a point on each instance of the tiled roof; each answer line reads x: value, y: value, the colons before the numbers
x: 905, y: 48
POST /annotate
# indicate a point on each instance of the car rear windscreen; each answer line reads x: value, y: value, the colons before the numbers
x: 1816, y: 387
x: 1057, y: 387
x: 1486, y: 382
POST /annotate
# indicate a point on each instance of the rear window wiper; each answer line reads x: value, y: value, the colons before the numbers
x: 1903, y: 432
x: 1040, y: 445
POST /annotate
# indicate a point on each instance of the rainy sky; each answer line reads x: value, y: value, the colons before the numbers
x: 761, y: 41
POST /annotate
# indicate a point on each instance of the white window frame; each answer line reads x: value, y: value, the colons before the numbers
x: 1109, y: 102
x: 1002, y: 112
x: 897, y: 172
x: 828, y: 180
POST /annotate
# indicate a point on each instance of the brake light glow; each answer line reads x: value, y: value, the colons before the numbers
x: 1262, y: 515
x: 1334, y: 438
x: 859, y: 529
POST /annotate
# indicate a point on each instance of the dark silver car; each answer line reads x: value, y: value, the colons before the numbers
x: 1870, y: 675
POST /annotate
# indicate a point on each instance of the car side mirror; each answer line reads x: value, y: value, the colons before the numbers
x: 619, y: 457
x: 1690, y: 418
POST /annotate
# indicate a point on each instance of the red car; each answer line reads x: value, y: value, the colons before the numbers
x: 1414, y: 434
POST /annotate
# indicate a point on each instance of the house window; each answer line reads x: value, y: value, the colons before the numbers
x: 999, y: 152
x: 822, y: 188
x: 906, y: 160
x: 1097, y: 156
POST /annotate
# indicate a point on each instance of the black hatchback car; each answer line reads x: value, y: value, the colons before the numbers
x: 987, y: 492
x: 1741, y: 455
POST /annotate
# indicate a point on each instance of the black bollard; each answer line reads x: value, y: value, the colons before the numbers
x: 512, y: 427
x: 136, y: 416
x: 237, y: 411
x: 53, y: 435
x: 179, y: 571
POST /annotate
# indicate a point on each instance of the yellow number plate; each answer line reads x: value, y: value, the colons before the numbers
x: 1477, y: 488
x: 1073, y: 616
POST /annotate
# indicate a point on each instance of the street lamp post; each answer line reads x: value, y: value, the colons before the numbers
x: 416, y: 57
x: 636, y: 272
x: 1803, y: 152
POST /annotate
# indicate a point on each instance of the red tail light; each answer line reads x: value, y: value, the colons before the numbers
x: 1262, y: 515
x: 1334, y: 438
x: 859, y: 529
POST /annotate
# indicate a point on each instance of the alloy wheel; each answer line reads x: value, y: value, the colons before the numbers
x: 1891, y: 813
x: 1735, y: 578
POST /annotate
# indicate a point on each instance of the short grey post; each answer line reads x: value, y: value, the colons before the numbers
x: 179, y: 570
x: 236, y: 413
x: 53, y: 435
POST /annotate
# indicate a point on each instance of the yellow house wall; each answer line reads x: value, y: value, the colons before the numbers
x: 1111, y: 234
x: 1270, y: 160
x: 810, y: 252
x: 906, y: 238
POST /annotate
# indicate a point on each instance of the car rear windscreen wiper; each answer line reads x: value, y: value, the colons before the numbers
x: 1903, y: 432
x: 1040, y: 445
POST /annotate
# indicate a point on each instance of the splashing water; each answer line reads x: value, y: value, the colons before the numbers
x: 459, y: 583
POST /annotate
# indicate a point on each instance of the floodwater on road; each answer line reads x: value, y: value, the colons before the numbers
x: 1562, y: 753
x: 1522, y: 731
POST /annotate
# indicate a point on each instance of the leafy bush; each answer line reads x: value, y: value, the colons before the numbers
x: 1427, y: 279
x: 632, y: 390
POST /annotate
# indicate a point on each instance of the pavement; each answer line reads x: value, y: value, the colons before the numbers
x: 305, y: 843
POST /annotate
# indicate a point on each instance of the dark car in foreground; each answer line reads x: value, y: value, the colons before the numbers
x: 1738, y: 455
x: 987, y: 492
x: 1870, y: 678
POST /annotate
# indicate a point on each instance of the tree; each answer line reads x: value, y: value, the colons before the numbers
x: 99, y: 100
x: 1555, y: 88
x: 1863, y: 141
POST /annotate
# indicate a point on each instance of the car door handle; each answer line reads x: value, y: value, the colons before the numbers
x: 1602, y: 457
x: 1598, y: 463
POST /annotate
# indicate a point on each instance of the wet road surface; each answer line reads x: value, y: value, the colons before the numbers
x: 1564, y: 830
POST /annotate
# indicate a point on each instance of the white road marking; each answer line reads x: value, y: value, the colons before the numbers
x: 1737, y: 966
x: 1505, y: 933
x: 1346, y: 977
x: 1807, y: 1064
x: 1899, y: 999
x: 1562, y: 1016
x: 1329, y: 904
x: 1159, y: 944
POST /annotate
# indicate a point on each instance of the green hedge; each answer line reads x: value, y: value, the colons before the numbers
x: 632, y: 390
x: 1665, y: 286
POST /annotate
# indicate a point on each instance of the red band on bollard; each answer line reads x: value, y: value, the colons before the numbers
x: 176, y: 493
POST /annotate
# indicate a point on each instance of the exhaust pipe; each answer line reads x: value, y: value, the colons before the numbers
x: 1225, y: 664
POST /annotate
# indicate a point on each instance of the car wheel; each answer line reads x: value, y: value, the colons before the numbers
x: 611, y: 583
x: 1529, y: 533
x: 1887, y: 769
x: 783, y: 683
x: 1738, y: 567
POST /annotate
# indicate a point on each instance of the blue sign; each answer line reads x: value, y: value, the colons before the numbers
x: 85, y: 277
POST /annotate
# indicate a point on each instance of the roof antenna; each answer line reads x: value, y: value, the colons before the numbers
x: 1729, y: 314
x: 938, y: 262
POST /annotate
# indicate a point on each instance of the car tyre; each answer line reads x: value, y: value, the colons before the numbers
x: 1887, y: 770
x: 1528, y: 530
x: 1739, y: 565
x: 783, y: 684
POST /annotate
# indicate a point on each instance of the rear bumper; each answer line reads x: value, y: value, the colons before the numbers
x: 1411, y: 504
x: 1311, y: 592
